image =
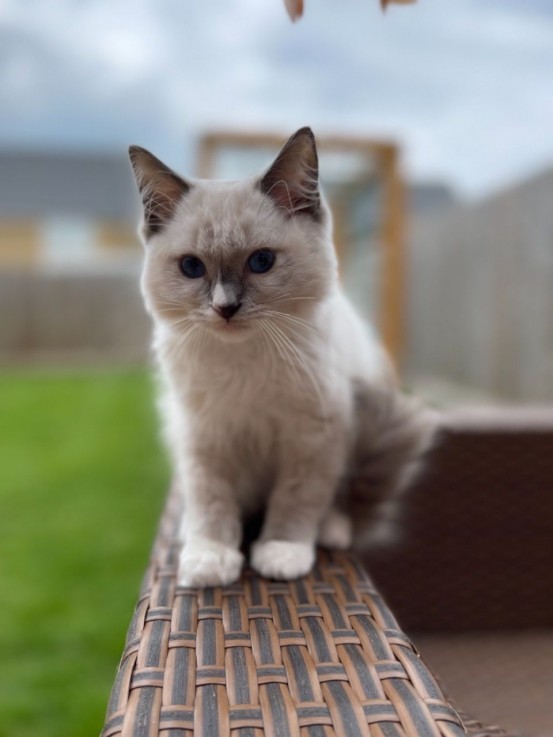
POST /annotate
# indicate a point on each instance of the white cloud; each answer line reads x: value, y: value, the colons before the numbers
x: 465, y: 85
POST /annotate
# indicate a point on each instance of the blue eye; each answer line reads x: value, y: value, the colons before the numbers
x: 192, y: 267
x: 261, y: 261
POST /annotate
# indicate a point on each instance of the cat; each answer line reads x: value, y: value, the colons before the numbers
x: 275, y: 394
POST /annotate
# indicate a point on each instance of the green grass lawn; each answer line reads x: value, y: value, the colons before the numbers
x: 82, y: 481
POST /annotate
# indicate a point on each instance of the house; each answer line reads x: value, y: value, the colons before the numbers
x: 65, y: 209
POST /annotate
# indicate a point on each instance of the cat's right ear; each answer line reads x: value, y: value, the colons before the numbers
x: 160, y: 189
x: 292, y: 181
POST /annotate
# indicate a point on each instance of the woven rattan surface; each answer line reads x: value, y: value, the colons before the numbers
x: 316, y: 657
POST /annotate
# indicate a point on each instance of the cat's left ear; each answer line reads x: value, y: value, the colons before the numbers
x: 292, y: 181
x: 160, y: 189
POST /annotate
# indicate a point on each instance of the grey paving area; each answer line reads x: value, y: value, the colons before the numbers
x: 502, y: 678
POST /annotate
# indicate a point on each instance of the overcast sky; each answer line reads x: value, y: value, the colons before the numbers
x: 465, y: 85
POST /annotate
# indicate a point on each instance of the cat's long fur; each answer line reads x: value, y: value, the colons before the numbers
x: 290, y: 403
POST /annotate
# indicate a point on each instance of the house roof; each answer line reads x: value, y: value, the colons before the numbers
x: 36, y: 184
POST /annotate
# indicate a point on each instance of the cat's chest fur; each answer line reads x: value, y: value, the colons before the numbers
x: 240, y: 404
x: 244, y: 386
x: 247, y: 403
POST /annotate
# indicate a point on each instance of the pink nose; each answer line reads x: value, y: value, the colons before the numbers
x: 227, y: 311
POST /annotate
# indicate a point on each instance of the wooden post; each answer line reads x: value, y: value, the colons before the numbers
x: 394, y: 283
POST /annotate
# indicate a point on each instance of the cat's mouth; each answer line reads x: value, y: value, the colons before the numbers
x: 231, y: 325
x: 230, y: 329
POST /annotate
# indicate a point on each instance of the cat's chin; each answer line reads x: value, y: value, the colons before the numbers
x: 230, y: 332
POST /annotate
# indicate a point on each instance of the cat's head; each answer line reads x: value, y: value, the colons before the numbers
x: 230, y: 257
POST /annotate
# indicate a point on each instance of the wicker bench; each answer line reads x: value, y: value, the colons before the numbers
x: 316, y: 657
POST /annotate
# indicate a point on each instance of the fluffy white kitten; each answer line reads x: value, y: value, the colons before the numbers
x: 275, y: 394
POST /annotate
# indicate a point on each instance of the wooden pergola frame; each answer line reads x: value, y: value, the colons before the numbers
x: 384, y: 155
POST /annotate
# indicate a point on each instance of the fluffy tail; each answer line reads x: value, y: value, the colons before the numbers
x: 393, y: 434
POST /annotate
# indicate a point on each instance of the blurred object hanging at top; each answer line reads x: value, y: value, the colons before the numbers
x: 295, y: 7
x: 384, y: 3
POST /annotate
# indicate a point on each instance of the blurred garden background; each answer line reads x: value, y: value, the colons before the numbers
x: 450, y: 246
x: 82, y: 485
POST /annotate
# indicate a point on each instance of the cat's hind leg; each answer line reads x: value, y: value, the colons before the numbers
x: 336, y: 530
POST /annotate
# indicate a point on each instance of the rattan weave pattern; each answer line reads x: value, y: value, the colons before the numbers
x: 316, y: 657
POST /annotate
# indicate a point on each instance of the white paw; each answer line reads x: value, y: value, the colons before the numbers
x: 336, y: 531
x: 282, y: 559
x: 209, y: 564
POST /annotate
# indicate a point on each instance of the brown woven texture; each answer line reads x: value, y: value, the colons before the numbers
x: 316, y: 657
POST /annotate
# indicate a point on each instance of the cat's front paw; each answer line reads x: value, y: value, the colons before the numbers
x: 209, y: 563
x: 282, y: 559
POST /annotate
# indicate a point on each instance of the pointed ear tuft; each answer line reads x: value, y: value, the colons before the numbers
x: 292, y: 181
x: 160, y: 188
